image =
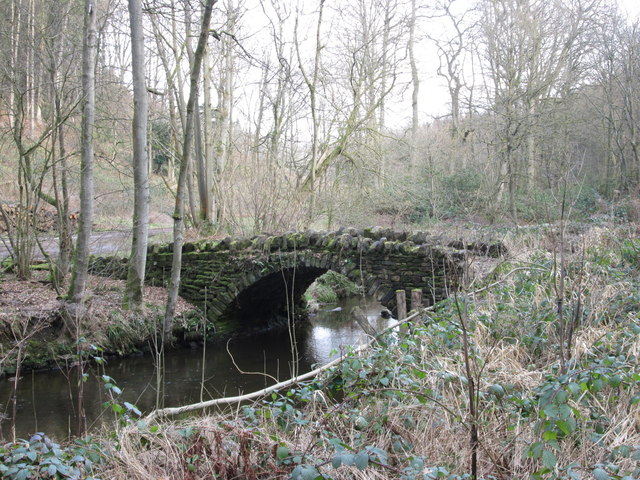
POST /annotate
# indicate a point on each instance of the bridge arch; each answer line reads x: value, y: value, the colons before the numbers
x: 278, y: 290
x: 264, y: 272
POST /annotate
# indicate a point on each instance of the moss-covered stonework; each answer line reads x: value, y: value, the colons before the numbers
x: 258, y: 277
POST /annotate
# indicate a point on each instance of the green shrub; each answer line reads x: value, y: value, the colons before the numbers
x: 331, y: 287
x: 323, y: 294
x: 339, y: 284
x: 39, y: 457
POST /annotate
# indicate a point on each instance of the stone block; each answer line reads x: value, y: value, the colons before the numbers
x: 419, y: 237
x: 376, y: 233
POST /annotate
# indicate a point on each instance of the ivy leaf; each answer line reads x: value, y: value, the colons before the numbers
x: 601, y: 474
x: 497, y: 390
x: 22, y: 475
x: 132, y: 408
x: 282, y: 452
x: 564, y: 411
x: 305, y: 472
x: 419, y: 374
x: 567, y: 426
x: 561, y: 397
x: 361, y: 460
x: 535, y: 450
x: 549, y: 459
x: 347, y: 459
x: 574, y: 388
x: 551, y: 411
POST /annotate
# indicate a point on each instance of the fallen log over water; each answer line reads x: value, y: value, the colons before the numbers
x: 278, y: 386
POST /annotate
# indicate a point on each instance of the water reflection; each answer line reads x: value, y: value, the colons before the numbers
x: 46, y: 400
x: 332, y: 331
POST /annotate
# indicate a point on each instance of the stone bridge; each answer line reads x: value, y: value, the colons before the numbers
x: 256, y: 279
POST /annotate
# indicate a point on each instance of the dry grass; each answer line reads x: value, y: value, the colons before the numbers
x: 410, y: 399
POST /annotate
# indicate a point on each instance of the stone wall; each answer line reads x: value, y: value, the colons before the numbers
x: 263, y: 273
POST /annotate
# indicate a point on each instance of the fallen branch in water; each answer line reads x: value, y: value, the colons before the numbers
x: 265, y: 391
x: 363, y: 321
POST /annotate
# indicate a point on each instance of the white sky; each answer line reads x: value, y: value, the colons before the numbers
x: 632, y: 7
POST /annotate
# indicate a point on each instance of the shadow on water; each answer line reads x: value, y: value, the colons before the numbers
x: 46, y: 400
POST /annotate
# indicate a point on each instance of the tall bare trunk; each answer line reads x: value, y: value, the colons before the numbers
x: 415, y: 82
x: 89, y: 50
x: 312, y: 84
x: 59, y: 167
x: 195, y: 218
x: 382, y: 170
x: 178, y: 215
x: 207, y: 131
x: 138, y: 259
x: 531, y: 151
x: 201, y: 170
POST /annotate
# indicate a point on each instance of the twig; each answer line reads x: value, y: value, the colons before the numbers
x: 539, y: 269
x: 233, y: 360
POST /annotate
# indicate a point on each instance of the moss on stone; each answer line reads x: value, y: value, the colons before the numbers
x: 268, y: 244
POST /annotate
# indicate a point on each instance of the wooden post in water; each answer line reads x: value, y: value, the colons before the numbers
x: 416, y: 299
x: 401, y: 304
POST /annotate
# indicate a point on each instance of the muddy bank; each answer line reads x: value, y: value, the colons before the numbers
x: 34, y: 331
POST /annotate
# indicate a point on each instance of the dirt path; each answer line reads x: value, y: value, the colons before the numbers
x: 102, y: 243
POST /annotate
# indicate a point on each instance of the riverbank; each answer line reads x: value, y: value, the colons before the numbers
x: 32, y: 326
x: 33, y: 330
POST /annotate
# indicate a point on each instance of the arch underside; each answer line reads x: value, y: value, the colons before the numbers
x: 279, y: 294
x: 273, y: 295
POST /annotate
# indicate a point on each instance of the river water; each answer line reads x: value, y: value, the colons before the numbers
x: 46, y: 400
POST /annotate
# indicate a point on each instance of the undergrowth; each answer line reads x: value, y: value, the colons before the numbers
x: 330, y: 287
x: 402, y: 408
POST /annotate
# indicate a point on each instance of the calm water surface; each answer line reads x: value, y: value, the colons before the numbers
x: 46, y: 400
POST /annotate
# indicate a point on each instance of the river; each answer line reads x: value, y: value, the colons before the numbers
x: 46, y: 400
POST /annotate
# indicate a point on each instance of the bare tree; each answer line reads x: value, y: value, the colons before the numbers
x: 178, y: 215
x: 533, y: 53
x: 81, y: 259
x: 138, y: 259
x: 311, y: 80
x: 415, y: 84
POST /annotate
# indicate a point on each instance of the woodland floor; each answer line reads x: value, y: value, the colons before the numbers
x: 31, y: 312
x: 36, y: 298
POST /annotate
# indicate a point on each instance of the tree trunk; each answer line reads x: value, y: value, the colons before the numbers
x: 531, y: 150
x: 312, y: 84
x: 201, y: 169
x: 59, y: 170
x: 140, y: 237
x: 178, y: 215
x: 89, y: 50
x: 415, y: 82
x: 209, y: 160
